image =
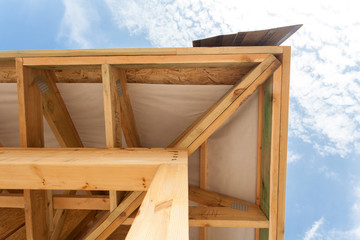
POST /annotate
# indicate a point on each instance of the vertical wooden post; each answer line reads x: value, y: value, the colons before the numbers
x: 259, y: 150
x: 267, y: 91
x: 38, y: 203
x: 275, y: 150
x: 112, y: 118
x: 285, y: 86
x: 203, y: 177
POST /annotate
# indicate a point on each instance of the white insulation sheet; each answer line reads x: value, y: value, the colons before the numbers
x: 162, y: 112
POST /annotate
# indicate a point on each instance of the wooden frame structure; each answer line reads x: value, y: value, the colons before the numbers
x: 153, y: 179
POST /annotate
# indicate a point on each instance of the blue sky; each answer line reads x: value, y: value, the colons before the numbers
x: 323, y: 183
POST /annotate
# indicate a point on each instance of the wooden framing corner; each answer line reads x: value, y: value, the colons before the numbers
x: 148, y: 187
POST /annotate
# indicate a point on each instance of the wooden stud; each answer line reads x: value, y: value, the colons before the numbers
x: 265, y: 153
x: 164, y: 211
x: 198, y: 132
x: 112, y: 118
x: 127, y: 116
x: 285, y: 85
x: 38, y: 204
x: 203, y: 177
x: 111, y: 106
x: 275, y: 149
x: 259, y: 149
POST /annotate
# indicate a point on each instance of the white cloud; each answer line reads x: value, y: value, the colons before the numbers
x: 325, y: 85
x: 77, y: 23
x: 329, y: 173
x: 292, y: 157
x: 312, y: 233
x: 319, y: 230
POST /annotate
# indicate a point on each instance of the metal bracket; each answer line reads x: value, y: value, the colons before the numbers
x: 239, y: 206
x: 119, y: 89
x: 42, y: 85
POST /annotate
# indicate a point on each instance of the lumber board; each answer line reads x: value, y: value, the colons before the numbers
x: 38, y: 204
x: 112, y: 220
x: 164, y: 211
x: 226, y: 217
x: 285, y: 87
x: 203, y: 177
x: 5, y: 55
x: 112, y: 115
x: 201, y: 130
x: 8, y: 200
x: 127, y: 115
x: 55, y: 111
x: 259, y: 149
x: 220, y: 60
x: 265, y: 153
x: 81, y: 202
x: 60, y: 201
x: 219, y: 212
x: 111, y: 106
x: 213, y: 199
x: 190, y: 75
x: 83, y: 168
x: 274, y: 153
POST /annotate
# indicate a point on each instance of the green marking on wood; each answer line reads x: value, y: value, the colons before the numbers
x: 266, y: 153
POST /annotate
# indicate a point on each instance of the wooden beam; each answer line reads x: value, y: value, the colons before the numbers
x: 220, y: 211
x: 189, y: 75
x: 4, y: 55
x: 212, y: 199
x: 8, y: 200
x: 55, y: 111
x: 220, y: 60
x: 198, y: 132
x: 259, y: 149
x: 203, y: 177
x: 60, y: 201
x: 127, y: 116
x: 111, y: 106
x: 83, y: 168
x: 38, y: 204
x: 266, y: 153
x: 285, y: 85
x: 83, y: 202
x: 164, y: 211
x: 275, y: 149
x: 226, y: 217
x: 112, y: 220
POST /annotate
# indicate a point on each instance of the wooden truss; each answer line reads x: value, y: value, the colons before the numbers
x: 154, y: 181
